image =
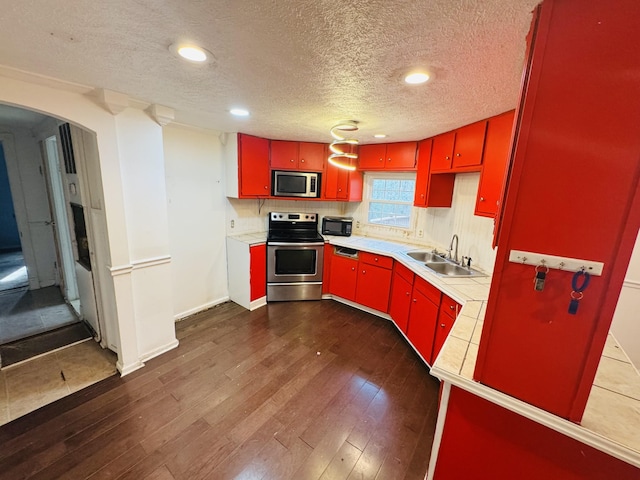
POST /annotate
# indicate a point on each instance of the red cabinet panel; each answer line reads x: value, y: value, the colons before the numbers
x: 447, y: 314
x: 372, y: 157
x: 373, y: 259
x: 326, y: 270
x: 442, y: 151
x: 390, y: 156
x: 253, y: 166
x: 469, y: 145
x: 374, y: 284
x: 312, y: 156
x: 302, y: 156
x: 344, y: 275
x: 422, y: 324
x: 400, y: 302
x: 494, y: 164
x: 341, y: 184
x: 258, y: 271
x: 422, y: 174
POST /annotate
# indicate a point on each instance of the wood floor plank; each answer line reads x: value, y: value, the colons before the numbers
x: 301, y: 390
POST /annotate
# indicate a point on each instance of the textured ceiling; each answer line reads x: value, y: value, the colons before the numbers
x: 298, y: 66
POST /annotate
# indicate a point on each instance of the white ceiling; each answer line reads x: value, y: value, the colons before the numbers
x: 298, y: 66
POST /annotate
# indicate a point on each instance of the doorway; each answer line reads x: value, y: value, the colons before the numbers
x: 42, y: 310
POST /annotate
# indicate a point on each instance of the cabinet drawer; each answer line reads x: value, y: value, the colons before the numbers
x: 428, y: 290
x: 403, y: 271
x: 450, y: 306
x: 380, y: 260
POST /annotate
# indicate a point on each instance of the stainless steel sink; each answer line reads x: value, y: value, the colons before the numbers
x: 424, y: 256
x: 452, y: 270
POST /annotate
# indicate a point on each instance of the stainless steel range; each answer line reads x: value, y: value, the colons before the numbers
x: 295, y: 253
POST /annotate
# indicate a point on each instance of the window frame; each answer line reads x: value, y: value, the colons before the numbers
x: 369, y: 177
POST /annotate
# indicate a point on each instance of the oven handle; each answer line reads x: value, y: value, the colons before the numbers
x: 295, y: 244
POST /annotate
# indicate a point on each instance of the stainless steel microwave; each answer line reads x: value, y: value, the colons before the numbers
x: 289, y: 183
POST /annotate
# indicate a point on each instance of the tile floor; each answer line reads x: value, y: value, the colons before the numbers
x: 29, y: 385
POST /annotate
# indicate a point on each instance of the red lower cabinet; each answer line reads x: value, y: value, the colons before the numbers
x: 374, y: 281
x: 344, y: 275
x: 258, y: 271
x: 447, y: 314
x: 400, y: 302
x: 422, y: 323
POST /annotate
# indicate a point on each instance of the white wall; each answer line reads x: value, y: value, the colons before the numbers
x: 196, y: 206
x: 626, y: 319
x: 475, y: 234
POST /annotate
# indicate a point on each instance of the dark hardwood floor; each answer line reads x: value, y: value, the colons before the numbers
x: 300, y: 390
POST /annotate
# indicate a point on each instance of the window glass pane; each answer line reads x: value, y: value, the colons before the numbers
x: 391, y: 201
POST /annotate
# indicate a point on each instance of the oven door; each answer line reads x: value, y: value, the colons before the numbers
x: 294, y: 271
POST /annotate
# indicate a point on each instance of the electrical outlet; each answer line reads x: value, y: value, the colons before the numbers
x: 357, y: 223
x: 420, y: 233
x: 233, y: 223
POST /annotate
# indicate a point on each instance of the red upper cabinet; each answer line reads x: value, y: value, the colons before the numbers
x: 391, y: 156
x: 494, y: 164
x: 341, y: 184
x: 253, y: 166
x: 303, y: 156
x: 431, y: 190
x: 459, y: 150
x: 422, y: 175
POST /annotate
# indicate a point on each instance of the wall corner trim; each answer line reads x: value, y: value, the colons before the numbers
x: 113, y: 102
x: 162, y: 115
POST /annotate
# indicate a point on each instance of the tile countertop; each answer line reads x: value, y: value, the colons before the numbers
x: 611, y: 421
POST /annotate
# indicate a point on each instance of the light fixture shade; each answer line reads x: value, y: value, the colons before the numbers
x: 338, y: 155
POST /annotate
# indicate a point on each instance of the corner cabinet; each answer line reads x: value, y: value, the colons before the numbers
x: 341, y: 184
x: 247, y: 166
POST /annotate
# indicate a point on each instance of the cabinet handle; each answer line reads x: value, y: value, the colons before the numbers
x: 363, y: 272
x: 482, y: 199
x: 447, y: 157
x: 442, y: 325
x: 415, y: 300
x: 381, y: 160
x: 422, y: 195
x: 389, y: 160
x: 353, y: 268
x: 301, y: 160
x: 375, y: 259
x: 452, y: 307
x: 339, y: 189
x: 458, y: 154
x: 409, y: 293
x: 266, y: 187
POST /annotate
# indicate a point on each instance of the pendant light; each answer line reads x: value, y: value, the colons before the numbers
x: 339, y: 158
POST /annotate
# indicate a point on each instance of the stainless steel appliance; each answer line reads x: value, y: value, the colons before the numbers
x: 289, y: 183
x: 295, y: 253
x: 340, y: 226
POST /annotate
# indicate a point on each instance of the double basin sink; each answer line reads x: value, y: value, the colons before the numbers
x: 442, y: 266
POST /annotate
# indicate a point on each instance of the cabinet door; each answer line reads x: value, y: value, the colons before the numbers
x: 336, y: 183
x: 344, y: 274
x: 494, y: 164
x: 422, y: 175
x: 253, y: 163
x: 373, y: 288
x: 326, y: 270
x: 469, y: 145
x: 447, y: 314
x: 284, y: 155
x: 372, y: 157
x: 401, y: 156
x: 442, y: 151
x: 422, y: 324
x: 400, y: 304
x: 258, y: 271
x: 311, y: 156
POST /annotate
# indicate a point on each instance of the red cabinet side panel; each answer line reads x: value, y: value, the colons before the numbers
x: 482, y: 440
x: 258, y: 270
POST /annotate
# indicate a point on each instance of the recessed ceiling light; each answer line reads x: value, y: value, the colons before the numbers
x: 416, y: 78
x: 380, y: 135
x: 239, y: 112
x: 190, y: 52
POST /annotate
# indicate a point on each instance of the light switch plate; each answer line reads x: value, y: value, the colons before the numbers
x: 559, y: 263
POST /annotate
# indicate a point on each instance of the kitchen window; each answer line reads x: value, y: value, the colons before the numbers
x: 390, y: 199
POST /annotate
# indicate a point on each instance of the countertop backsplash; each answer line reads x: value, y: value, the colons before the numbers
x: 437, y: 224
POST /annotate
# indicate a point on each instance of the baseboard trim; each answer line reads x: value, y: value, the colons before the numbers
x: 159, y: 351
x: 206, y: 306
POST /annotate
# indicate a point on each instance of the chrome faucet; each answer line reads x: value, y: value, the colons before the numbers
x: 455, y: 255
